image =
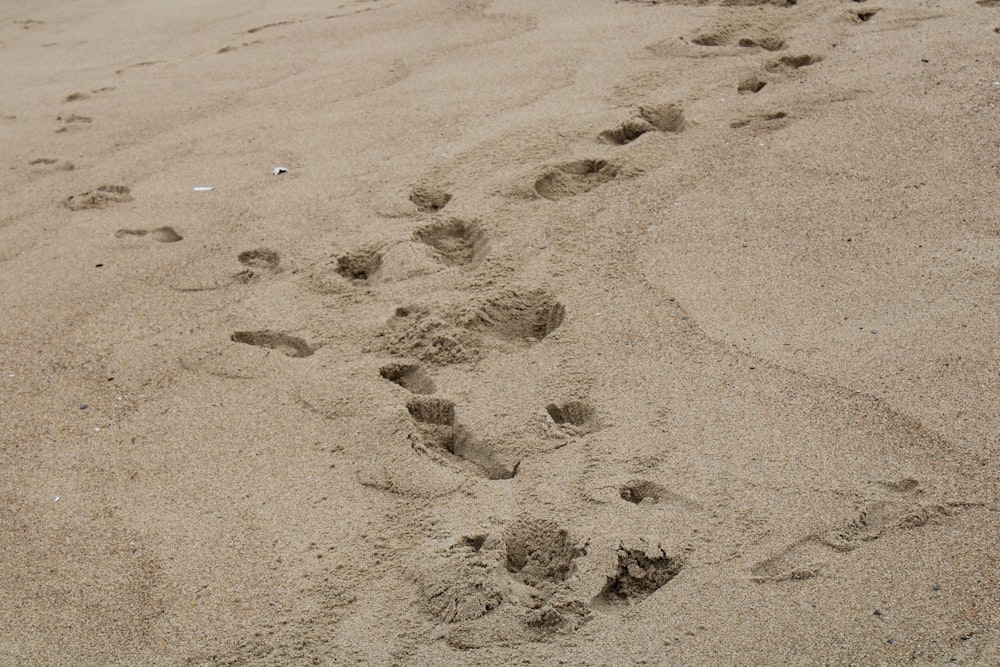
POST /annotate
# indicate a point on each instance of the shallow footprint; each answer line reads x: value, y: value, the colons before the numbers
x: 160, y: 234
x: 51, y: 164
x: 102, y: 197
x: 259, y: 259
x: 272, y: 340
x: 794, y: 62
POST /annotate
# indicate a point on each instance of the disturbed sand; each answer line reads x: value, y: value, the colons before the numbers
x: 576, y: 332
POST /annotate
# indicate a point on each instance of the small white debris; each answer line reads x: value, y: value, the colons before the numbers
x: 56, y: 499
x: 279, y: 170
x: 203, y: 188
x: 97, y: 428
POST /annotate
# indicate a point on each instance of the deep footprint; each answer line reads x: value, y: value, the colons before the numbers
x: 664, y: 117
x: 419, y: 333
x: 766, y: 43
x: 637, y: 491
x: 361, y: 265
x: 436, y: 417
x: 639, y: 575
x: 437, y: 411
x: 458, y: 242
x: 411, y: 377
x: 539, y: 550
x: 627, y: 132
x: 577, y: 414
x: 518, y: 315
x: 429, y: 200
x: 272, y: 340
x: 750, y: 84
x: 574, y: 178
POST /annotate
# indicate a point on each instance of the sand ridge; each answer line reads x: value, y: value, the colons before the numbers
x: 601, y: 332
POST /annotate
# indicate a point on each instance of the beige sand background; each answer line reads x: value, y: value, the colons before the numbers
x: 555, y: 344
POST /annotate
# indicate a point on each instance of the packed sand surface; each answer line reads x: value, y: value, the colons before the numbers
x: 569, y: 332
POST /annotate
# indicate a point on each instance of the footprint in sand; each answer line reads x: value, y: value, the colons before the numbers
x: 362, y: 265
x: 102, y: 197
x: 496, y: 587
x: 573, y: 178
x: 750, y: 84
x: 51, y: 164
x: 441, y: 435
x: 230, y: 48
x: 767, y: 121
x: 421, y: 333
x: 794, y: 62
x: 410, y: 376
x: 901, y: 507
x: 456, y: 242
x: 639, y: 573
x: 664, y: 118
x: 288, y: 345
x: 529, y: 315
x: 71, y: 121
x: 158, y: 234
x: 864, y: 15
x: 78, y: 96
x: 730, y: 36
x: 575, y: 417
x: 641, y: 490
x: 450, y: 335
x: 644, y: 491
x: 540, y: 550
x: 145, y: 63
x: 434, y: 411
x: 258, y: 261
x: 276, y: 24
x: 429, y: 199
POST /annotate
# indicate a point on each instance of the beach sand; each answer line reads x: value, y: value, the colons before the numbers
x: 574, y: 332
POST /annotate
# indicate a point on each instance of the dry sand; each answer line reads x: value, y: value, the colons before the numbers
x: 556, y: 343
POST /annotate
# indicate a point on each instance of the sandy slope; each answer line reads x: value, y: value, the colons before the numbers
x: 556, y: 341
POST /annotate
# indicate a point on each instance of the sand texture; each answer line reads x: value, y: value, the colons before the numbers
x: 583, y: 332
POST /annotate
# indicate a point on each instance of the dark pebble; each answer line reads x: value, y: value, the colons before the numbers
x: 936, y: 587
x: 98, y: 265
x: 878, y: 613
x: 84, y: 406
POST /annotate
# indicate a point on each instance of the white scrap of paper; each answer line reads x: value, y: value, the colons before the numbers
x: 279, y: 170
x: 203, y: 188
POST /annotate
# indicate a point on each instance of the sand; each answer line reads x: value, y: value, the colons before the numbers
x: 575, y: 332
